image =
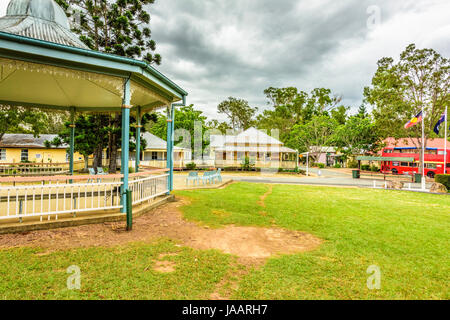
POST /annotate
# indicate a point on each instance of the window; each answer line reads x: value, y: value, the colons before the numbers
x: 388, y: 150
x: 154, y: 155
x: 430, y: 165
x: 2, y: 154
x: 24, y: 155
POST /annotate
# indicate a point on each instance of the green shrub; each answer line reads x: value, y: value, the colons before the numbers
x: 374, y: 169
x: 352, y: 164
x: 246, y: 165
x: 131, y: 170
x: 443, y: 179
x: 365, y: 167
x: 337, y: 166
x: 191, y: 166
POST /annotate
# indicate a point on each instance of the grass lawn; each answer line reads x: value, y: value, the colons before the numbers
x: 123, y: 272
x: 405, y: 234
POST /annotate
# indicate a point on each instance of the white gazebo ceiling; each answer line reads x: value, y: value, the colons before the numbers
x: 61, y: 87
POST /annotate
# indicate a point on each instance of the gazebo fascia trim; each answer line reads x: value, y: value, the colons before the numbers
x: 38, y: 51
x: 48, y: 106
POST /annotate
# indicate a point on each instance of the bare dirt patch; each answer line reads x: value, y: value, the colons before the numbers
x: 264, y: 196
x: 164, y: 266
x: 251, y: 244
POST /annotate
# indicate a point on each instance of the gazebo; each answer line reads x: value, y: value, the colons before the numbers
x: 43, y: 64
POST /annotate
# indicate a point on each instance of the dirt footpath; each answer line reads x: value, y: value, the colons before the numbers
x: 248, y: 243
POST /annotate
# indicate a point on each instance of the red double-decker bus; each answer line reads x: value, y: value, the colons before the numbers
x: 434, y: 159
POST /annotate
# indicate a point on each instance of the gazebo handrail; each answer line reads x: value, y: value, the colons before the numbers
x: 60, y: 178
x: 37, y: 163
x: 145, y: 173
x: 79, y: 177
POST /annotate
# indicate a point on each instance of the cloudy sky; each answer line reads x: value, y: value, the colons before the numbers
x: 215, y: 48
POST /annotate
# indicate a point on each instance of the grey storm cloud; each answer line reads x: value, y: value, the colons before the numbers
x: 215, y: 48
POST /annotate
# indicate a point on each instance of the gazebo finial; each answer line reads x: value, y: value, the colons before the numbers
x: 39, y: 19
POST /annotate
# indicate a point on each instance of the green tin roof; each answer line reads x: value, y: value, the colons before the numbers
x: 43, y: 19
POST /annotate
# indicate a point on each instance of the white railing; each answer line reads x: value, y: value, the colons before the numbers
x: 39, y: 198
x: 406, y: 186
x: 36, y: 169
x: 257, y: 164
x: 57, y: 196
x: 147, y: 186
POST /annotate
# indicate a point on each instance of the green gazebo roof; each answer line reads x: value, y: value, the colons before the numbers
x: 46, y: 69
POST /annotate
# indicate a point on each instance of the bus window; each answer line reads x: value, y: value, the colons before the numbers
x: 395, y: 164
x: 430, y: 165
x: 404, y: 164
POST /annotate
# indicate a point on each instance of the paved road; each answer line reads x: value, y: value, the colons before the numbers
x: 329, y: 178
x: 327, y: 173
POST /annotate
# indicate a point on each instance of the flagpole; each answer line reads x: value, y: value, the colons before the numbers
x: 445, y: 141
x: 423, y: 149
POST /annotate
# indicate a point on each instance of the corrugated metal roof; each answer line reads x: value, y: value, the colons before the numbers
x: 273, y: 149
x: 250, y: 135
x: 413, y: 142
x: 156, y: 143
x: 19, y: 140
x: 39, y: 19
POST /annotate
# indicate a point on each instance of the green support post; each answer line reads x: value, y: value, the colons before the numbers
x: 138, y: 138
x: 169, y: 147
x: 129, y: 210
x: 125, y: 142
x: 72, y: 141
x: 172, y: 142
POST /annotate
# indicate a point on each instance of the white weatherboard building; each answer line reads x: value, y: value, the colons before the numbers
x: 262, y: 150
x: 155, y: 153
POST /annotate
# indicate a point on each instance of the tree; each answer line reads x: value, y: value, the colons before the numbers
x: 318, y: 132
x: 399, y: 90
x: 22, y: 120
x: 119, y: 27
x: 185, y: 119
x: 287, y: 109
x: 290, y: 107
x: 238, y: 111
x: 114, y: 26
x: 88, y: 136
x: 357, y: 135
x: 223, y: 127
x: 362, y: 111
x: 339, y: 114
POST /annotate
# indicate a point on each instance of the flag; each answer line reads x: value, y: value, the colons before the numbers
x: 437, y: 127
x: 414, y: 121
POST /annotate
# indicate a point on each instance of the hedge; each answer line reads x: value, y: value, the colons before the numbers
x: 443, y: 179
